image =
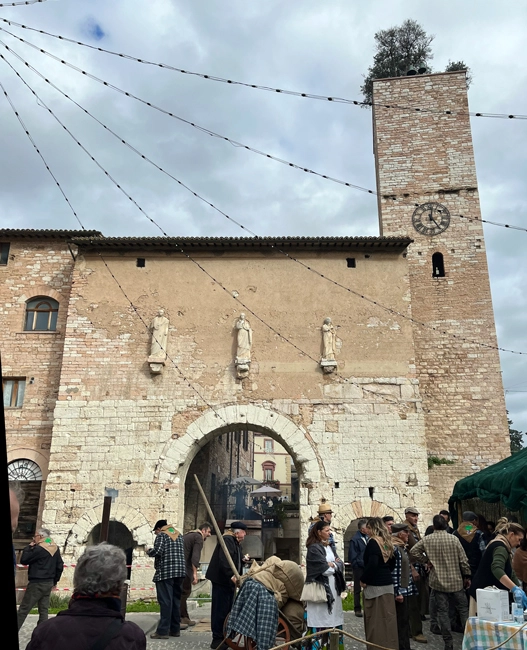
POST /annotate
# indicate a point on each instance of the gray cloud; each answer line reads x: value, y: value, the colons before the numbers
x: 322, y: 48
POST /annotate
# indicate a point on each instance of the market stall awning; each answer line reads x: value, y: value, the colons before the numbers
x: 504, y: 482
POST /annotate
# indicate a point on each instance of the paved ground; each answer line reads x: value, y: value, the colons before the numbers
x: 199, y: 636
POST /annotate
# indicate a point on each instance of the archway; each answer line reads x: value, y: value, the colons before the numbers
x: 118, y: 535
x: 183, y: 449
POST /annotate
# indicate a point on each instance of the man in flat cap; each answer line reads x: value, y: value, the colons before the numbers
x: 417, y: 603
x: 403, y: 583
x: 223, y: 580
x: 169, y: 554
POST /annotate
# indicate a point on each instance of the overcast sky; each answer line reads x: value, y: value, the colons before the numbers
x: 310, y: 46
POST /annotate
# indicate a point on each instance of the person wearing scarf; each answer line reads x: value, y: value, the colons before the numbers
x: 380, y: 618
x: 322, y: 567
x: 93, y: 618
x: 45, y: 567
x: 495, y: 568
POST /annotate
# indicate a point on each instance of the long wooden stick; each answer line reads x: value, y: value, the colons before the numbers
x: 217, y: 530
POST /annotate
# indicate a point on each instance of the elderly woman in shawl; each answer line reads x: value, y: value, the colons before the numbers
x: 380, y: 618
x: 324, y: 569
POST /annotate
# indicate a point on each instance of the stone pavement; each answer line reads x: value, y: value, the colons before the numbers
x: 199, y: 636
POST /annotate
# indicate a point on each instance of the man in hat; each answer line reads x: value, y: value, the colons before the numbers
x: 388, y: 521
x: 325, y: 513
x: 169, y: 563
x: 449, y: 575
x: 417, y: 603
x: 44, y: 569
x: 223, y: 580
x: 403, y: 583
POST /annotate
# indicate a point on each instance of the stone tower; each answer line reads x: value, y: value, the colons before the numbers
x: 426, y: 179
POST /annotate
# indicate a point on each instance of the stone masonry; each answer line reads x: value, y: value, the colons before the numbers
x: 427, y: 156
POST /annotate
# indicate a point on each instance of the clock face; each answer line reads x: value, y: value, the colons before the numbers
x: 431, y: 219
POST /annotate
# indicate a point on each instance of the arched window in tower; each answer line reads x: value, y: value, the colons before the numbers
x: 438, y: 265
x: 41, y: 314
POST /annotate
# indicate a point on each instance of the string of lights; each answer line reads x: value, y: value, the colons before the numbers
x: 220, y: 136
x: 24, y: 2
x: 134, y: 308
x: 348, y: 289
x: 282, y: 91
x: 190, y: 258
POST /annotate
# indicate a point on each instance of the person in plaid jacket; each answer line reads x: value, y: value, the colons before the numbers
x: 169, y: 564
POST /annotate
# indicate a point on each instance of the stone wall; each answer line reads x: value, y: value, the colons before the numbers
x: 427, y: 156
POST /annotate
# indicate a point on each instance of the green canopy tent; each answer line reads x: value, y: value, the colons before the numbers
x: 496, y: 491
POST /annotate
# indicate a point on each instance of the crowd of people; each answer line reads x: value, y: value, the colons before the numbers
x: 399, y: 578
x: 404, y: 576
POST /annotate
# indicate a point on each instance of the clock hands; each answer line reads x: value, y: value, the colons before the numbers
x: 431, y: 218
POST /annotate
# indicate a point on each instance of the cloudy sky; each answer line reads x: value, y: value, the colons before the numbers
x: 310, y: 46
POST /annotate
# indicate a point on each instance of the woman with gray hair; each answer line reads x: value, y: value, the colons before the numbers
x: 94, y: 613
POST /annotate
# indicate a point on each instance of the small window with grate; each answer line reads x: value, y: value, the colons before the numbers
x: 351, y: 262
x: 140, y: 263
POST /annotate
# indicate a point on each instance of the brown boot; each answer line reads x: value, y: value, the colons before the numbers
x: 188, y: 622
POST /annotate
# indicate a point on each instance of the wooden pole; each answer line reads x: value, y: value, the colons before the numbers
x: 333, y: 640
x: 105, y: 524
x: 217, y: 530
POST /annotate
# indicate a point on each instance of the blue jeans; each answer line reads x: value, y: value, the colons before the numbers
x: 169, y: 598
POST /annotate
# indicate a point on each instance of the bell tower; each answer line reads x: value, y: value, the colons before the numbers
x: 427, y: 187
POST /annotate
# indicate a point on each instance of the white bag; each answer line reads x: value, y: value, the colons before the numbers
x: 314, y: 592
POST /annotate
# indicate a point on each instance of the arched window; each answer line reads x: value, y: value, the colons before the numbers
x: 268, y: 470
x: 30, y: 476
x: 41, y: 314
x: 23, y: 469
x: 438, y: 265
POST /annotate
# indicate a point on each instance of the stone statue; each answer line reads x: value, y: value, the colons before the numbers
x: 329, y: 344
x: 245, y: 339
x: 329, y: 338
x: 159, y: 328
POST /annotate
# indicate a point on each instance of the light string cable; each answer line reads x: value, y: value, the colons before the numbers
x: 348, y: 289
x: 183, y: 251
x: 134, y: 308
x: 282, y: 91
x: 22, y: 2
x: 225, y: 138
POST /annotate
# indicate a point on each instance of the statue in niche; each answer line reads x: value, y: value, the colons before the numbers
x: 245, y: 338
x: 329, y: 345
x: 244, y: 343
x: 158, y: 345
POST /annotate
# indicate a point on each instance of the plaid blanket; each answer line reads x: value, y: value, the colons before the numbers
x: 255, y: 614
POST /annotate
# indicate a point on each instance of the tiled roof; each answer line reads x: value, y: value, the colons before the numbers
x: 13, y: 233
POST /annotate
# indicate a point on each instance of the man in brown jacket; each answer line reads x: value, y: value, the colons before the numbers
x: 193, y: 542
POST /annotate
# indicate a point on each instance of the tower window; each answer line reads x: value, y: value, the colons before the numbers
x: 140, y: 263
x: 438, y: 265
x: 350, y: 261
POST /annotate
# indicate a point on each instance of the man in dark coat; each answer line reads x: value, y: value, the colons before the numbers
x: 193, y: 543
x: 223, y: 579
x: 45, y: 567
x: 356, y: 559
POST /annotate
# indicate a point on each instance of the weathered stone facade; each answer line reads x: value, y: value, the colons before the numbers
x: 360, y: 437
x: 427, y: 156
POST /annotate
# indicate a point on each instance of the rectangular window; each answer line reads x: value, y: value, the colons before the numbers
x: 268, y: 474
x: 246, y: 440
x: 14, y: 390
x: 268, y: 446
x: 4, y: 253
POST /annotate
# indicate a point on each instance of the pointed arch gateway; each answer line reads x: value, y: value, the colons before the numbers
x: 176, y: 461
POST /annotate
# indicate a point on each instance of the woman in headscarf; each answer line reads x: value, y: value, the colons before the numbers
x: 495, y: 568
x: 380, y: 618
x: 324, y: 569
